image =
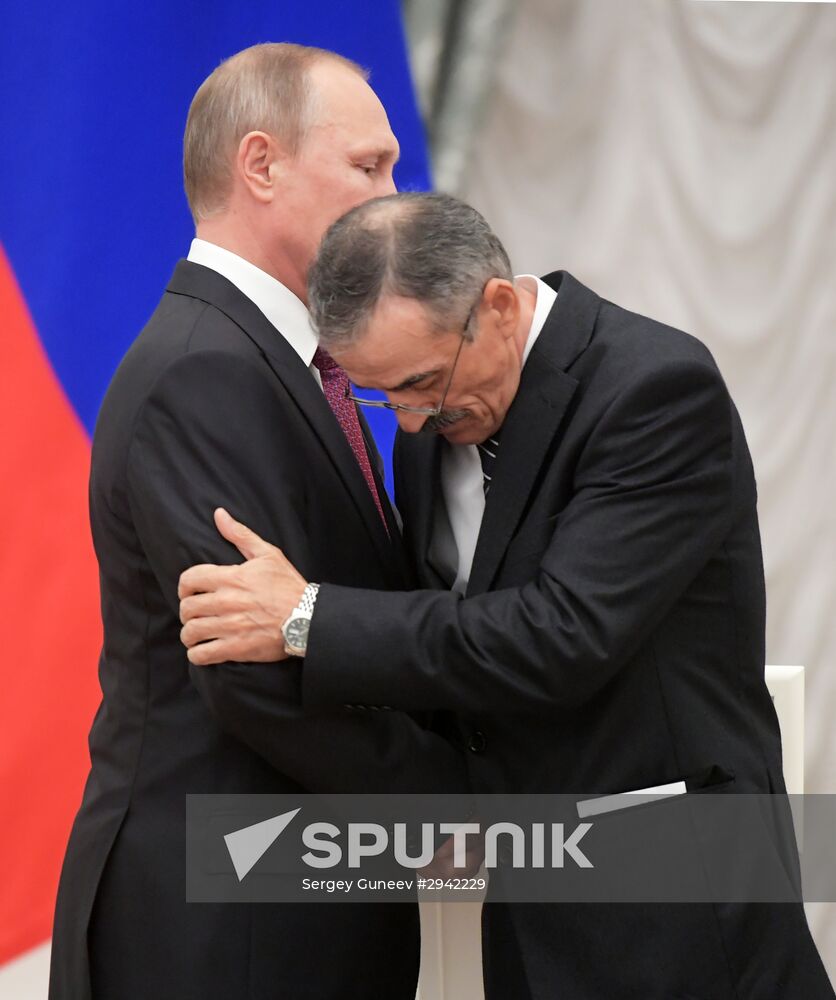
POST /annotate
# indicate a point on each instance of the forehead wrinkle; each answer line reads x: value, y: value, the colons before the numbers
x: 393, y: 342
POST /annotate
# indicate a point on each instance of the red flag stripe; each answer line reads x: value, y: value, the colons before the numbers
x: 51, y: 634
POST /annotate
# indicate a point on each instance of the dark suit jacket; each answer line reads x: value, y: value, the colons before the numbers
x: 612, y: 639
x: 212, y: 407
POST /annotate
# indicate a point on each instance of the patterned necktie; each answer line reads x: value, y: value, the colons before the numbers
x: 487, y: 456
x: 334, y: 385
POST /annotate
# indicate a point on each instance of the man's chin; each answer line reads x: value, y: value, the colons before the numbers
x: 461, y: 432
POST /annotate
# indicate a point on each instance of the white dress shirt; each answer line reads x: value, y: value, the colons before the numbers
x: 284, y: 310
x: 459, y: 518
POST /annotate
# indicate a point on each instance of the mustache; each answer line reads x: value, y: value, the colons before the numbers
x: 443, y: 420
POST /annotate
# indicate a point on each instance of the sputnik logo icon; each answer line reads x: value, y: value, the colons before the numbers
x: 249, y: 844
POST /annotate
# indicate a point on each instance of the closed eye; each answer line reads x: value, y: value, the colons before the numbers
x: 423, y: 380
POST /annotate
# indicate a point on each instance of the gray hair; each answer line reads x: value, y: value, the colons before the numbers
x: 429, y: 247
x: 263, y: 88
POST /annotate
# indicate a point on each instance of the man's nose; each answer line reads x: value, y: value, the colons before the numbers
x: 387, y: 185
x: 410, y: 423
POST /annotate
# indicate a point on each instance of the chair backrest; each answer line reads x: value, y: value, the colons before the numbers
x: 786, y: 685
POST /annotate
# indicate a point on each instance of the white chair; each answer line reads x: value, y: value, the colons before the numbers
x: 786, y: 685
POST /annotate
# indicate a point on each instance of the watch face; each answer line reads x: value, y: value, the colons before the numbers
x: 296, y: 632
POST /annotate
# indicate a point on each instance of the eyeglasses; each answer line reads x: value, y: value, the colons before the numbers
x: 428, y: 411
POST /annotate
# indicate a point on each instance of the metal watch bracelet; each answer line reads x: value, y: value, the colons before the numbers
x: 308, y: 599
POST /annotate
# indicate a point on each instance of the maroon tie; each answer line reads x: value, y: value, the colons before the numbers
x: 334, y: 384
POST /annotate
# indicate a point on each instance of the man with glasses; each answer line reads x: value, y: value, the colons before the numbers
x: 583, y: 501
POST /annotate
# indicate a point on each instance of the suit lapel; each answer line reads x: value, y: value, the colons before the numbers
x: 394, y: 527
x: 532, y: 422
x: 207, y: 285
x: 527, y: 433
x: 421, y: 465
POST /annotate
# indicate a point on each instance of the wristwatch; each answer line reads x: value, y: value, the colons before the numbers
x: 295, y: 630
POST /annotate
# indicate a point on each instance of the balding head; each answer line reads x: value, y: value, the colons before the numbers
x: 414, y: 295
x: 431, y: 248
x: 265, y: 88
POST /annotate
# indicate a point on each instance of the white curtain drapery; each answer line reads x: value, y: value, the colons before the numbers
x: 680, y: 158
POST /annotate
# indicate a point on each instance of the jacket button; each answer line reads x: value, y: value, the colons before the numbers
x: 477, y: 742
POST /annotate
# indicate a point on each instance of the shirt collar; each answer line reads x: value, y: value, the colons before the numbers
x: 284, y: 310
x: 546, y: 298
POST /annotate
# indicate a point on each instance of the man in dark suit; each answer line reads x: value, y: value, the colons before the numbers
x: 225, y: 398
x: 586, y: 496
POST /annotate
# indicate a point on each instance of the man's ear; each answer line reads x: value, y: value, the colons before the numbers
x: 501, y: 298
x: 260, y: 164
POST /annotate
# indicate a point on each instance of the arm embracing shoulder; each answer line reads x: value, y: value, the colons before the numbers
x: 652, y: 502
x: 214, y: 432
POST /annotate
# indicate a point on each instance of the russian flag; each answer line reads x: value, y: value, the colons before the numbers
x: 92, y: 220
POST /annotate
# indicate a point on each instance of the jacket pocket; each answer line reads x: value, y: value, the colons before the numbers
x: 712, y: 779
